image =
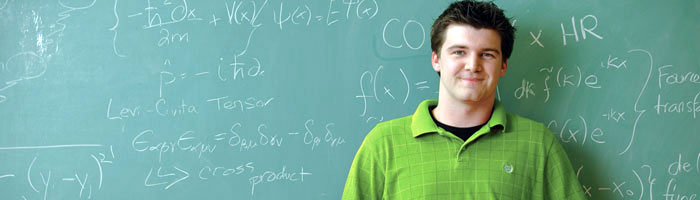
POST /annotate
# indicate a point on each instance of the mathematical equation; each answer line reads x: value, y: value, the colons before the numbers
x: 641, y: 184
x: 190, y: 142
x: 46, y: 176
x: 376, y: 87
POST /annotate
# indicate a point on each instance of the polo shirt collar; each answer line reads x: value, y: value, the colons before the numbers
x: 422, y: 122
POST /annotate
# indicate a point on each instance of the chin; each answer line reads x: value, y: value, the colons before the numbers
x: 469, y: 98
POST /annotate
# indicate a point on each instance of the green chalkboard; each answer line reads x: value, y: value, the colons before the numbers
x: 270, y: 99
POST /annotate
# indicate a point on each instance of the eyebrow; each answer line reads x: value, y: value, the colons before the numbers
x: 494, y: 50
x: 465, y: 47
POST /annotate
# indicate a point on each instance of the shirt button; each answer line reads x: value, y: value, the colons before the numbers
x: 508, y: 168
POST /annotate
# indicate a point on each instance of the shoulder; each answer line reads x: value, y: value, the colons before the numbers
x: 382, y: 139
x: 392, y: 128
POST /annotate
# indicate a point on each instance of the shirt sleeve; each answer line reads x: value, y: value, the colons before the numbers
x: 366, y: 176
x: 560, y: 180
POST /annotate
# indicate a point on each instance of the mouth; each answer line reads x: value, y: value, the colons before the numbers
x: 471, y: 79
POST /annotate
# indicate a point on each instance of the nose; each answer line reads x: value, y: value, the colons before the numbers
x: 472, y: 63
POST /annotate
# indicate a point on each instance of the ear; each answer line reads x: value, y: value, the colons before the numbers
x: 504, y: 68
x: 435, y: 60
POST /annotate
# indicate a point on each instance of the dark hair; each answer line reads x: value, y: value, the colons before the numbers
x: 478, y: 15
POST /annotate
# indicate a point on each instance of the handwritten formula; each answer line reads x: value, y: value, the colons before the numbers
x: 270, y: 99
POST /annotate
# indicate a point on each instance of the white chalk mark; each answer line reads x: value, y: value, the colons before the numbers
x: 384, y: 34
x: 374, y: 86
x: 115, y: 16
x: 650, y: 181
x: 111, y: 150
x: 4, y: 4
x: 187, y: 175
x: 641, y: 112
x: 116, y: 24
x: 134, y: 15
x: 82, y: 183
x: 248, y: 42
x: 201, y: 73
x: 114, y: 45
x: 66, y: 14
x: 99, y: 166
x: 585, y: 128
x: 369, y: 118
x: 219, y: 136
x: 145, y: 183
x: 536, y: 39
x: 641, y: 184
x: 29, y: 172
x: 404, y: 34
x: 578, y: 172
x: 362, y: 90
x: 46, y: 184
x: 50, y: 146
x: 7, y: 175
x: 9, y: 84
x: 408, y: 86
x: 388, y: 92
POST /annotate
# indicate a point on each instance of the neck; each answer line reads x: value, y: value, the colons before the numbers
x: 463, y: 114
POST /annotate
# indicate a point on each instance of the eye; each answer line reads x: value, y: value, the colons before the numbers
x: 458, y: 52
x: 488, y: 55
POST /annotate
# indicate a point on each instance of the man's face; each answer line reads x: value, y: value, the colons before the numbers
x: 470, y: 64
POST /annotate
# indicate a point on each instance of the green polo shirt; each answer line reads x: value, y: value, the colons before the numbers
x: 510, y: 157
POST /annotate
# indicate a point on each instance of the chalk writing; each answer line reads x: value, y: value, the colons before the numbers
x: 178, y: 13
x: 615, y: 115
x: 163, y: 177
x: 577, y: 134
x: 690, y: 105
x: 410, y: 45
x: 300, y: 15
x: 167, y: 37
x: 19, y: 68
x: 583, y: 28
x: 161, y: 107
x: 227, y: 103
x: 208, y: 172
x: 276, y: 176
x: 315, y: 140
x: 525, y: 90
x: 250, y: 97
x: 636, y: 110
x: 186, y: 142
x: 387, y: 91
x: 246, y: 141
x: 536, y: 39
x: 44, y: 177
x: 673, y: 78
x: 114, y: 29
x: 249, y: 13
x: 612, y: 64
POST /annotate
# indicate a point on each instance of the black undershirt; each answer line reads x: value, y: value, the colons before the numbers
x: 460, y: 132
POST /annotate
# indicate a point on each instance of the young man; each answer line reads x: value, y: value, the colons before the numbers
x: 464, y: 145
